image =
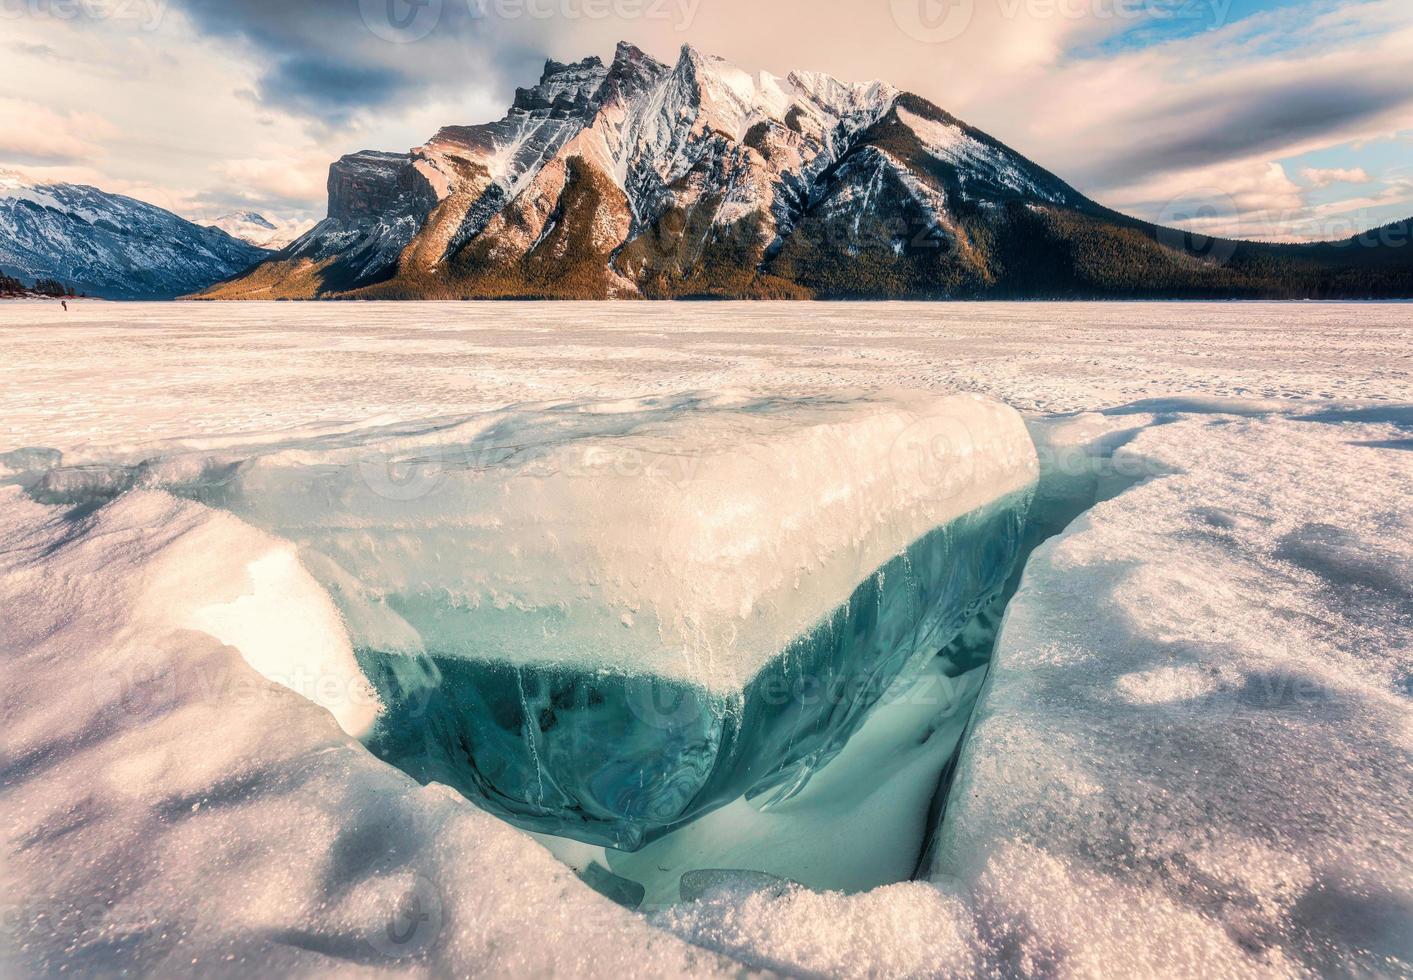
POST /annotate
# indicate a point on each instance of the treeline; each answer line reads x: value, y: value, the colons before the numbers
x: 1025, y: 251
x: 10, y: 286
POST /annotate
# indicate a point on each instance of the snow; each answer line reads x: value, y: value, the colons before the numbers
x: 107, y: 244
x: 727, y: 524
x: 698, y: 547
x: 974, y: 159
x: 1192, y: 756
x: 1195, y: 715
x: 258, y: 230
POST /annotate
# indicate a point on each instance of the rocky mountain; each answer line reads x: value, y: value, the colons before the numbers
x: 260, y: 231
x: 109, y: 245
x: 642, y: 179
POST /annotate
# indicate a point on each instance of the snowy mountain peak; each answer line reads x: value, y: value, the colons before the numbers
x: 246, y: 217
x: 107, y: 244
x: 626, y: 53
x: 15, y: 185
x: 627, y: 162
x: 843, y: 98
x: 563, y: 89
x: 14, y: 180
x: 724, y: 93
x: 639, y: 178
x: 632, y: 73
x: 258, y: 230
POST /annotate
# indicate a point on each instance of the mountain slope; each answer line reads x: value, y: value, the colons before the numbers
x: 640, y: 179
x: 109, y: 245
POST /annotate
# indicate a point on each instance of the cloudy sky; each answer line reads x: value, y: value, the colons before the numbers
x: 1263, y: 118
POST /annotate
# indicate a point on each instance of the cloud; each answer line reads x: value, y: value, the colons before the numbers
x: 1244, y: 199
x: 269, y: 183
x: 332, y: 91
x: 31, y: 133
x: 1214, y: 115
x: 1038, y: 74
x: 1268, y: 119
x: 1324, y: 177
x: 1396, y: 192
x: 334, y: 61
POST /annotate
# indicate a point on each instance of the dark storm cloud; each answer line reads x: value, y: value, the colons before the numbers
x: 1236, y: 125
x: 329, y: 59
x: 317, y: 85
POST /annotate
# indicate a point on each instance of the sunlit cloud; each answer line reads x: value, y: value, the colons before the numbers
x: 1328, y: 176
x: 31, y: 133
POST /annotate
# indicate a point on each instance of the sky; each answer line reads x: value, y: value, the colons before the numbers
x: 1263, y: 119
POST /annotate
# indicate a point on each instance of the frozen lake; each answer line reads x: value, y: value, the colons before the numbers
x: 1194, y: 754
x: 172, y: 370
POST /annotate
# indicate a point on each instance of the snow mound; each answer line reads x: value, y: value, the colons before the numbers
x: 169, y: 811
x: 1198, y: 713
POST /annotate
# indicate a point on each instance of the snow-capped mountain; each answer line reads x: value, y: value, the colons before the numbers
x: 109, y: 245
x: 260, y: 231
x: 639, y: 178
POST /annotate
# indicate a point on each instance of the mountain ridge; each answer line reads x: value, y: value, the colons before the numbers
x: 639, y: 179
x: 109, y: 245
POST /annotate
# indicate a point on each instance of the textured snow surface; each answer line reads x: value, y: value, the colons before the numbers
x: 1198, y: 716
x: 727, y: 524
x: 1193, y: 756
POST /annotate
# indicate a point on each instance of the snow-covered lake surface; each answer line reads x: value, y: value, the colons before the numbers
x: 1194, y: 754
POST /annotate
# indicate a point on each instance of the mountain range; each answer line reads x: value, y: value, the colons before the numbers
x: 108, y: 245
x: 639, y: 179
x: 697, y: 179
x: 260, y: 231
